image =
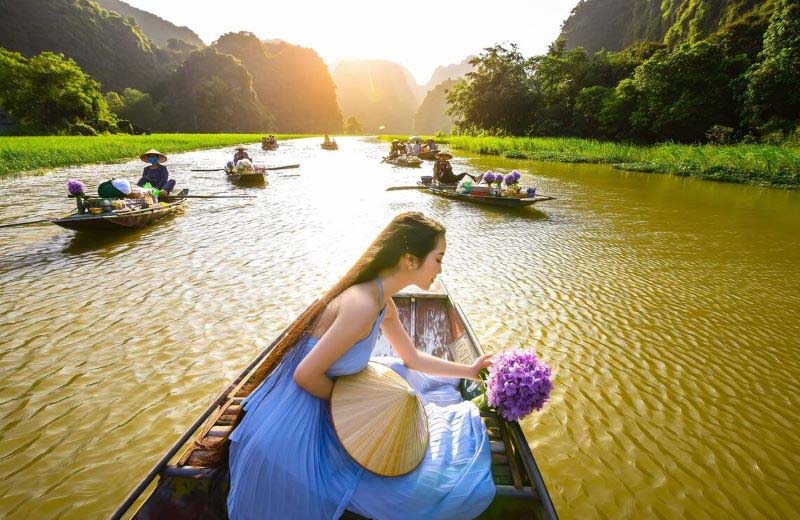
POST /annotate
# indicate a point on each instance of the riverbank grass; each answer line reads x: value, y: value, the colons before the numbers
x: 764, y: 165
x: 31, y: 153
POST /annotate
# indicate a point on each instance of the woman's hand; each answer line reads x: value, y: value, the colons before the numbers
x: 485, y: 361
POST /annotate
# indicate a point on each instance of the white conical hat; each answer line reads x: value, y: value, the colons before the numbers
x: 380, y: 420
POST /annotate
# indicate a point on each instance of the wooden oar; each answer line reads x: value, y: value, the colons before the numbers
x: 270, y: 168
x: 395, y: 188
x: 26, y: 223
x: 176, y: 197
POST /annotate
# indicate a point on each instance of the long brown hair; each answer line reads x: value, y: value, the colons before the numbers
x: 408, y: 233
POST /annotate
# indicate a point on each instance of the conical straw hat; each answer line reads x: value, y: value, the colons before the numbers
x: 152, y: 151
x: 380, y: 420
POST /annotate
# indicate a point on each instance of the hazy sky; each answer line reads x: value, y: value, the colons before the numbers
x: 420, y: 35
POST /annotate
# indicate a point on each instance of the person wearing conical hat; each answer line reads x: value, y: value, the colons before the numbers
x: 241, y: 153
x: 156, y: 173
x: 430, y: 146
x: 443, y: 171
x: 311, y: 442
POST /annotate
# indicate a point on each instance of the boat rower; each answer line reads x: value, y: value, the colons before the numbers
x: 443, y: 171
x: 156, y: 173
x: 241, y: 153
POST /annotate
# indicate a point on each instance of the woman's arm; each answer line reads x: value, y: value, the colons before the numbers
x: 357, y: 312
x: 420, y: 361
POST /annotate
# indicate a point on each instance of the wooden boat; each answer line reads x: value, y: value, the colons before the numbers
x: 449, y: 191
x: 428, y: 156
x: 269, y: 146
x: 250, y: 178
x: 185, y: 488
x: 329, y: 146
x: 118, y: 221
x: 405, y: 162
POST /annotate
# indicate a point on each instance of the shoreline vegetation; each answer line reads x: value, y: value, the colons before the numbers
x: 757, y: 164
x: 35, y: 153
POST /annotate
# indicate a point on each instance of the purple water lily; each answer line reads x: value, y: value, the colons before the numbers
x: 75, y: 187
x: 518, y: 384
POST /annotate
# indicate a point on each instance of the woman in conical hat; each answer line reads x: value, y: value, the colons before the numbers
x: 156, y: 173
x: 285, y: 458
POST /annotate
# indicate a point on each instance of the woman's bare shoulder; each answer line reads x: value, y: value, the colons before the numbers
x: 360, y: 298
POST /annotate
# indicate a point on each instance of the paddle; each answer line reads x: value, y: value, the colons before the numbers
x: 271, y: 168
x: 25, y: 223
x: 395, y: 188
x: 174, y: 197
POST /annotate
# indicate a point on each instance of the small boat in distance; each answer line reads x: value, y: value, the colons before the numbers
x: 429, y: 155
x: 406, y: 161
x: 187, y: 487
x: 329, y: 146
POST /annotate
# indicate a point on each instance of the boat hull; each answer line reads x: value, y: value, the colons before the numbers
x: 249, y: 179
x: 189, y: 488
x: 112, y: 222
x: 501, y: 202
x: 405, y: 164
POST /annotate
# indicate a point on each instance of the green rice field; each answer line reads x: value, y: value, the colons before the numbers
x: 764, y: 165
x: 31, y: 153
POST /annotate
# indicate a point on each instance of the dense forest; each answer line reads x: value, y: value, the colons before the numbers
x: 105, y: 45
x: 738, y: 83
x: 292, y: 82
x: 160, y: 31
x: 614, y: 25
x: 177, y: 84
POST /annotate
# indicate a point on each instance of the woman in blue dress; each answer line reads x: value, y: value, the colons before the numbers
x: 285, y: 459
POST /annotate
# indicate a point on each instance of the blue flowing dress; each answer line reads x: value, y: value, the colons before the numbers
x: 286, y: 461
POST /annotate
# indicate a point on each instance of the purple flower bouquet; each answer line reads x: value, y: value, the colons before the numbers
x: 76, y: 188
x: 516, y: 385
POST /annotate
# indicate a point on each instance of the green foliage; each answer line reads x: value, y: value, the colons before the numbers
x: 105, y: 45
x: 292, y: 82
x: 211, y: 92
x: 773, y: 96
x: 352, y: 126
x: 765, y: 165
x: 51, y: 94
x: 157, y: 29
x: 682, y: 93
x: 497, y: 95
x: 136, y: 107
x: 616, y: 24
x: 18, y: 154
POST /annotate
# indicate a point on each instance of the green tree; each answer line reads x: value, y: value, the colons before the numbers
x: 51, y: 94
x: 211, y: 92
x: 352, y: 126
x: 497, y: 95
x: 135, y: 106
x: 773, y: 96
x: 683, y: 92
